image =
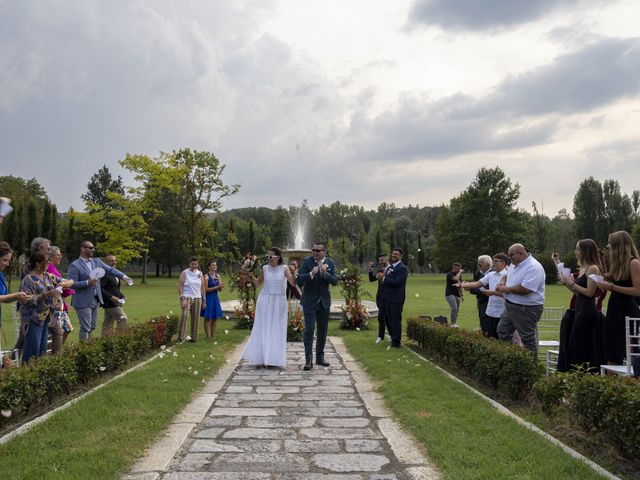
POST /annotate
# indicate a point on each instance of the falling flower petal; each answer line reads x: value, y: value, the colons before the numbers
x: 189, y: 368
x: 389, y: 347
x: 193, y: 356
x: 357, y: 329
x: 417, y: 295
x: 163, y: 347
x: 226, y: 332
x: 161, y: 355
x: 195, y: 372
x: 226, y: 317
x: 204, y: 381
x: 171, y: 312
x: 168, y: 317
x: 165, y: 380
x: 6, y: 413
x: 188, y: 338
x: 175, y: 354
x: 215, y: 343
x: 102, y: 369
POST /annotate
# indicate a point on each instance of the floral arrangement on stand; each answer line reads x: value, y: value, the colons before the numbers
x: 243, y: 284
x: 295, y: 324
x: 354, y: 314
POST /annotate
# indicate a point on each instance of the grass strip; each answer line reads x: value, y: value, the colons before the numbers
x: 465, y: 437
x: 101, y: 436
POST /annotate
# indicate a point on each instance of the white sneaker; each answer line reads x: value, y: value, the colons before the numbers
x: 378, y: 340
x: 454, y: 325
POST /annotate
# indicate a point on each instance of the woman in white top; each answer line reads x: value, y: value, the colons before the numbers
x: 488, y: 283
x: 192, y: 290
x: 268, y: 342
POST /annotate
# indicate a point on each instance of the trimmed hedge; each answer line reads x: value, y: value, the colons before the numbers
x: 497, y: 364
x: 606, y: 405
x: 50, y: 376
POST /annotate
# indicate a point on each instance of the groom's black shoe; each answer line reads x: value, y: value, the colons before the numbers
x: 307, y: 366
x: 322, y: 362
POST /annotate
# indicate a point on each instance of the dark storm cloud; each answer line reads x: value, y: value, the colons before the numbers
x: 484, y: 14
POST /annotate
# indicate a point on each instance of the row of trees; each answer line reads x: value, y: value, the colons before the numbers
x: 175, y: 210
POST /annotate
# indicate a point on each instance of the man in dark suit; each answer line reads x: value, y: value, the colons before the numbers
x: 316, y: 273
x: 112, y: 299
x: 383, y: 262
x: 88, y: 293
x: 393, y: 281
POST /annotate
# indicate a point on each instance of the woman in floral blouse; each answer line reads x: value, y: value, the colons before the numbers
x: 46, y: 299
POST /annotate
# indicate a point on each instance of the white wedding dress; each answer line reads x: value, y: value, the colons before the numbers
x: 268, y: 342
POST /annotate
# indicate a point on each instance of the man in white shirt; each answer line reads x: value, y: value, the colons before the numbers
x: 524, y: 298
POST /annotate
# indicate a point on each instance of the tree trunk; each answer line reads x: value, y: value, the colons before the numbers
x: 144, y: 268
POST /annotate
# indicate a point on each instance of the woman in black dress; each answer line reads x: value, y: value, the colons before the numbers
x: 624, y: 285
x: 585, y: 346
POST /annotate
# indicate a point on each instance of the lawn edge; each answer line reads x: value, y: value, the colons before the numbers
x: 159, y: 454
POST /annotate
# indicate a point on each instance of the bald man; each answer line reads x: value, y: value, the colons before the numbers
x: 523, y: 292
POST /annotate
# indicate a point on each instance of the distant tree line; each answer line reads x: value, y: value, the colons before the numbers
x: 175, y: 210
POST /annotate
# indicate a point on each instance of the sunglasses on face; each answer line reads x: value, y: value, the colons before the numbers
x: 269, y: 257
x: 317, y: 250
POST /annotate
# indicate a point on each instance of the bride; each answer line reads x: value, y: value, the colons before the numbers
x: 268, y: 342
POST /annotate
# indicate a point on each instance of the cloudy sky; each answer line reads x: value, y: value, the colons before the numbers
x: 358, y: 101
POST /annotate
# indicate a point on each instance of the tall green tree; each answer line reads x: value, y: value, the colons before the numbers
x: 195, y: 176
x: 100, y: 185
x: 483, y: 218
x: 588, y: 211
x: 121, y: 225
x: 618, y: 211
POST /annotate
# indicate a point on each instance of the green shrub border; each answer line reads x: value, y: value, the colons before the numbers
x: 49, y: 377
x: 494, y: 363
x: 604, y: 406
x: 607, y: 408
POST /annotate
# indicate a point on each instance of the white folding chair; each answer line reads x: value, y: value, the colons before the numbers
x: 632, y: 342
x: 548, y: 328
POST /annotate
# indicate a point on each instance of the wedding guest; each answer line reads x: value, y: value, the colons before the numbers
x: 192, y: 291
x: 65, y: 320
x: 582, y: 339
x: 393, y: 282
x: 112, y: 301
x: 487, y: 286
x: 45, y: 292
x: 5, y: 297
x: 485, y: 263
x: 624, y: 285
x: 213, y: 310
x: 293, y: 292
x: 524, y: 298
x: 452, y: 292
x: 374, y: 269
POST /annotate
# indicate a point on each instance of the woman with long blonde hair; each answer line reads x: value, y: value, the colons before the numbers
x: 624, y: 285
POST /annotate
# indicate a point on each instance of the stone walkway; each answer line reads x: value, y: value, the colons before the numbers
x: 269, y: 423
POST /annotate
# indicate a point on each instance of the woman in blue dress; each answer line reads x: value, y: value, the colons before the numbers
x: 213, y: 311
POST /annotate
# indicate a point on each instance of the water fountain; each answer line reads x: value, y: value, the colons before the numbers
x: 298, y: 252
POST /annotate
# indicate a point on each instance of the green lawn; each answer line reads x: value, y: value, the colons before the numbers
x: 464, y: 436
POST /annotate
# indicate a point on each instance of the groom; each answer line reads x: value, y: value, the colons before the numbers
x: 315, y: 275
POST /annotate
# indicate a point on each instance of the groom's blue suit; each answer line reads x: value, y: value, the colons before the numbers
x: 316, y: 303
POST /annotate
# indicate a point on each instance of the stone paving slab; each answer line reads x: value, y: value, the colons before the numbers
x: 267, y: 423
